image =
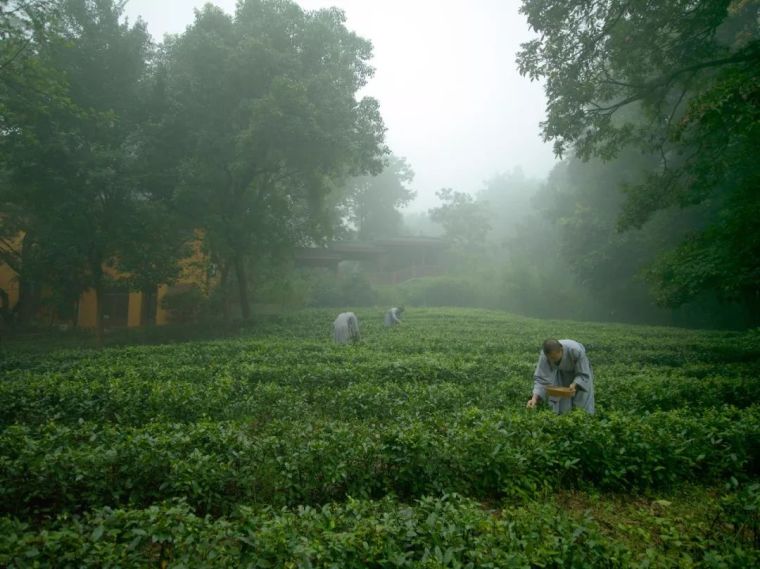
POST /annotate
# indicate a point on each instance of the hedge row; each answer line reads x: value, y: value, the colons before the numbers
x: 447, y: 531
x: 217, y: 465
x: 383, y: 391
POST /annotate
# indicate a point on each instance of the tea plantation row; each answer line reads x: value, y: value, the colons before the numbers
x: 412, y: 448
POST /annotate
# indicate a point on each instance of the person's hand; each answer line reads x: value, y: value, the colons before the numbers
x: 532, y: 402
x: 573, y: 388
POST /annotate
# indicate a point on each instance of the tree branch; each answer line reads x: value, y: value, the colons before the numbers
x: 15, y: 55
x: 641, y: 90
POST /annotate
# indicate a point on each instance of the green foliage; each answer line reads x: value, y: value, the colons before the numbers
x: 373, y: 201
x: 112, y: 152
x: 268, y: 126
x: 464, y: 219
x: 450, y: 531
x: 676, y: 81
x: 71, y: 139
x: 599, y: 57
x: 188, y: 306
x: 434, y: 532
x: 280, y: 447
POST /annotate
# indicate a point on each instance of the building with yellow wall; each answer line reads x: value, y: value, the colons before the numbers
x: 123, y: 308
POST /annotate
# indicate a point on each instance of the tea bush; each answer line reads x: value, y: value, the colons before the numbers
x: 277, y: 448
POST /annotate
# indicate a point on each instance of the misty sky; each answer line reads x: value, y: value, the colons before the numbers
x: 450, y: 94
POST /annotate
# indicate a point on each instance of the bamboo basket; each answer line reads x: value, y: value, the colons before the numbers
x: 555, y: 391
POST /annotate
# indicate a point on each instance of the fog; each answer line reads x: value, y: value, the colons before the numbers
x: 196, y: 163
x: 451, y: 97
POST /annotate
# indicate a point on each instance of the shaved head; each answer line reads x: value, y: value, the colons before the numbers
x: 551, y: 345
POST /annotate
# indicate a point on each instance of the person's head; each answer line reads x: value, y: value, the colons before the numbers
x: 400, y: 309
x: 552, y: 350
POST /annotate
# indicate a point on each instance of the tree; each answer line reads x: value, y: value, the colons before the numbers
x: 676, y: 80
x: 581, y: 200
x: 23, y: 77
x: 507, y: 200
x: 463, y: 218
x: 265, y: 104
x: 22, y: 22
x: 373, y: 201
x: 70, y: 154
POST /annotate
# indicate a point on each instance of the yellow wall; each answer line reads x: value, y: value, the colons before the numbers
x: 193, y: 271
x: 8, y: 277
x: 135, y: 309
x: 9, y: 283
x: 87, y: 316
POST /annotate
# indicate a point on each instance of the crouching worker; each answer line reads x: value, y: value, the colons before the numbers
x: 563, y: 363
x: 346, y: 328
x: 393, y: 316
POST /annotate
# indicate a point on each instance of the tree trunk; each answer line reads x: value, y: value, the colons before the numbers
x: 75, y: 321
x: 28, y: 290
x: 147, y: 306
x: 5, y: 308
x: 245, y: 308
x: 99, y: 313
x: 225, y: 281
x: 28, y: 301
x: 96, y: 266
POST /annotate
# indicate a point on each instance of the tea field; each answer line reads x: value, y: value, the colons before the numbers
x: 413, y: 448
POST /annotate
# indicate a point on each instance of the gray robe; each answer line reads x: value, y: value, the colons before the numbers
x: 392, y: 317
x: 346, y: 328
x: 573, y: 367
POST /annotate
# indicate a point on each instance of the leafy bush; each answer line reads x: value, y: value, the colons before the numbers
x: 185, y: 453
x: 186, y: 305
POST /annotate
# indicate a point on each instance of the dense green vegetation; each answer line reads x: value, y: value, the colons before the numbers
x: 676, y: 83
x: 652, y: 215
x: 115, y: 150
x: 115, y: 147
x: 413, y: 448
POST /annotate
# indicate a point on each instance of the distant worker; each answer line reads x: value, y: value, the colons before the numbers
x: 346, y: 327
x: 393, y: 316
x: 563, y: 363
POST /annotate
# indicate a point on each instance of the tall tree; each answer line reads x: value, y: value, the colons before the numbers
x: 464, y: 219
x: 24, y: 76
x: 507, y: 200
x: 582, y: 201
x: 373, y: 201
x: 22, y: 23
x: 266, y: 104
x: 678, y: 80
x: 70, y: 153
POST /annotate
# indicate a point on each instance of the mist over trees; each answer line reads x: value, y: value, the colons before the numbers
x: 373, y: 202
x: 115, y: 150
x: 249, y: 132
x: 655, y: 215
x: 677, y: 82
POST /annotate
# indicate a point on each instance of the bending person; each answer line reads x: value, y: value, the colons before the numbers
x: 346, y: 328
x: 563, y: 363
x: 393, y: 316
